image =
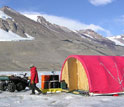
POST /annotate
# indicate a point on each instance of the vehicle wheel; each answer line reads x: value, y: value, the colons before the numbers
x: 20, y: 87
x: 2, y: 86
x: 29, y: 85
x: 24, y: 86
x: 11, y: 87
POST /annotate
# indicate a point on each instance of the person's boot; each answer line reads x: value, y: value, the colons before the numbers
x: 32, y: 94
x: 39, y: 92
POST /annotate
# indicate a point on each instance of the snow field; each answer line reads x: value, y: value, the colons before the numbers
x: 10, y: 36
x: 3, y: 15
x: 24, y: 99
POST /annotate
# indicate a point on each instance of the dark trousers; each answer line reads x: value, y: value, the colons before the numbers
x: 34, y: 87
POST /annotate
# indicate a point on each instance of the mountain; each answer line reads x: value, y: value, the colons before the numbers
x: 24, y: 41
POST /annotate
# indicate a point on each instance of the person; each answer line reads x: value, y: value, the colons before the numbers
x: 34, y: 80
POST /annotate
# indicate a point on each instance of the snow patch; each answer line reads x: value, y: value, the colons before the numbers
x: 29, y: 37
x: 116, y: 41
x: 89, y: 36
x: 10, y: 36
x: 118, y: 36
x: 68, y: 97
x: 3, y: 15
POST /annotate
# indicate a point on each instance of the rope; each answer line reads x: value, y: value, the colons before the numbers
x: 109, y: 72
x: 117, y: 74
x: 118, y: 79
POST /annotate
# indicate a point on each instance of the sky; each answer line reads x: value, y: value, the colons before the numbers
x: 103, y: 16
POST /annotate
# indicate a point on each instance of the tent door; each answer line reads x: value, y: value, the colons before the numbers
x: 77, y: 78
x: 72, y: 74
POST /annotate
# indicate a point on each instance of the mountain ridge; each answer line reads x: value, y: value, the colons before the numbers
x: 50, y: 46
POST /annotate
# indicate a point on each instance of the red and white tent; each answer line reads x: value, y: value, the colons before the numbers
x: 95, y: 74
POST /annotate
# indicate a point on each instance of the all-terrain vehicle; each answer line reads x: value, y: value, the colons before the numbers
x: 13, y: 82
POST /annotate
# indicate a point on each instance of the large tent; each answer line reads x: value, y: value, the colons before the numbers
x: 95, y: 74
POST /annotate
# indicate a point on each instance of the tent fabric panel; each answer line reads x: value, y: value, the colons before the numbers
x: 103, y: 73
x: 120, y: 65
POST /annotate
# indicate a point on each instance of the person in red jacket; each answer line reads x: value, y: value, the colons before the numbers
x: 34, y: 79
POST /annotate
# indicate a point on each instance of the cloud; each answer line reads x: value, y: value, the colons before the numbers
x: 100, y: 2
x: 66, y: 22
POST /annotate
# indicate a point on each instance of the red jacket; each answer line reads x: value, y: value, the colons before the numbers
x: 34, y: 75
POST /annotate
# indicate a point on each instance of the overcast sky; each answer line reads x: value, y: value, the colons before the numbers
x: 104, y: 16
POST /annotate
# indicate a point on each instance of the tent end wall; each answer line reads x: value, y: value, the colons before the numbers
x: 74, y: 75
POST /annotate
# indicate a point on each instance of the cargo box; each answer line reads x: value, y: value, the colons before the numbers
x: 3, y: 78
